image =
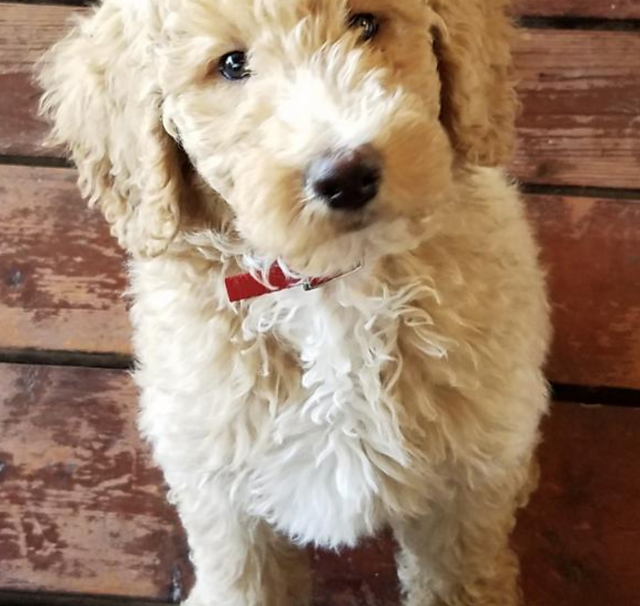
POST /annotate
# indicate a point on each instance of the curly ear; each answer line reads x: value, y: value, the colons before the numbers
x: 473, y: 45
x: 101, y: 98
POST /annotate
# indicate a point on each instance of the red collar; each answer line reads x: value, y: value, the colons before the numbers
x: 246, y: 286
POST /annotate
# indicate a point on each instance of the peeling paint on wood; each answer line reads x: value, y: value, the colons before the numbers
x: 580, y: 123
x: 83, y: 510
x: 63, y: 278
x: 24, y: 37
x: 606, y: 9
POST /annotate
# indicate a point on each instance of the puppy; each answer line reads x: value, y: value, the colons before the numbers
x: 339, y: 317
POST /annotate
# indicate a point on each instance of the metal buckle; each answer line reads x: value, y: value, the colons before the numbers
x: 312, y: 284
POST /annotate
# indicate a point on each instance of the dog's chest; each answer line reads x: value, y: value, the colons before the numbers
x: 322, y: 480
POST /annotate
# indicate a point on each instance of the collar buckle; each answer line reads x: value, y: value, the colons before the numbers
x: 311, y: 284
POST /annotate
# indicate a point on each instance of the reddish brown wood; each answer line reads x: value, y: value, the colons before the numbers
x: 581, y: 95
x: 612, y: 9
x: 581, y: 101
x: 579, y: 536
x: 25, y: 33
x: 608, y: 9
x: 81, y: 509
x: 591, y: 249
x: 61, y: 276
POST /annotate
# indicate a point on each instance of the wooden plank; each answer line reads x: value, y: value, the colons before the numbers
x: 25, y: 34
x: 606, y: 9
x: 591, y: 250
x: 580, y: 89
x: 581, y: 101
x: 61, y: 275
x: 579, y: 536
x: 613, y: 9
x: 81, y: 507
x: 82, y: 511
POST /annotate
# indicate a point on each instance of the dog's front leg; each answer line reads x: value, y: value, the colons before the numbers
x: 460, y: 555
x: 238, y: 560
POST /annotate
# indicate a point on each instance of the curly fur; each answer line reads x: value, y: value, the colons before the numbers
x: 408, y: 394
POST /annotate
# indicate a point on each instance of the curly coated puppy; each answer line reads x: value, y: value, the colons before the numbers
x: 342, y: 157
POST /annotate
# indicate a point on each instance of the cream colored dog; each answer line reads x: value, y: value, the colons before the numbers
x: 298, y: 141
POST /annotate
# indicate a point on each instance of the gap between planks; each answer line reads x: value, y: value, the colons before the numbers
x: 560, y: 392
x: 579, y: 23
x: 77, y: 359
x: 576, y: 191
x: 11, y: 598
x: 35, y: 161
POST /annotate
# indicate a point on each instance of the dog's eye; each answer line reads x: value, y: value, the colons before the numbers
x: 233, y: 66
x: 368, y: 24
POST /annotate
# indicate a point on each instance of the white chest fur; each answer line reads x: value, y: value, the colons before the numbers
x: 321, y: 458
x: 323, y: 476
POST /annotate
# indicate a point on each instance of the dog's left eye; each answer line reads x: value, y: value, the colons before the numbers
x: 368, y: 23
x: 234, y: 66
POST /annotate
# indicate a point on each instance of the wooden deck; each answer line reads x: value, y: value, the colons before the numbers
x: 83, y: 518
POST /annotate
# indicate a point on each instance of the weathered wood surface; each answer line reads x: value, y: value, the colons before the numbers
x: 606, y: 9
x: 580, y: 123
x: 591, y: 249
x: 611, y: 9
x: 579, y: 536
x: 61, y: 277
x: 25, y: 33
x: 82, y: 510
x: 580, y: 89
x: 81, y: 507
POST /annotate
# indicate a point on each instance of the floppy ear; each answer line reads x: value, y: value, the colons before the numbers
x: 473, y: 44
x: 101, y: 98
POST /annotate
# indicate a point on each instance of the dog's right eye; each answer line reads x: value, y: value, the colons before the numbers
x: 368, y: 24
x: 234, y: 66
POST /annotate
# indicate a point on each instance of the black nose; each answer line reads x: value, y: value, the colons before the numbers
x: 346, y: 179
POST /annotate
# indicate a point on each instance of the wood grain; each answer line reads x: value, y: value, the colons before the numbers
x: 612, y: 9
x: 579, y: 536
x: 606, y: 9
x: 580, y: 123
x: 591, y: 249
x: 81, y: 510
x: 26, y: 32
x: 580, y: 89
x: 61, y: 276
x: 81, y: 507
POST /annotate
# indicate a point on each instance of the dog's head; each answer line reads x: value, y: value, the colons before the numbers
x: 323, y: 124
